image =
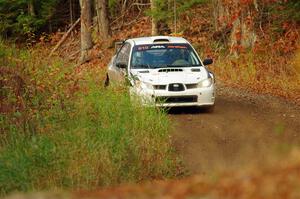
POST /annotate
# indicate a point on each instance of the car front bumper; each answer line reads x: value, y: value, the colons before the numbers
x: 190, y: 97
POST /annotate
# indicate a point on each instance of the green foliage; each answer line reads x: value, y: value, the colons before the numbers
x: 16, y: 19
x: 112, y: 4
x: 185, y: 5
x: 68, y: 139
x: 165, y: 11
x: 286, y: 10
x: 282, y: 14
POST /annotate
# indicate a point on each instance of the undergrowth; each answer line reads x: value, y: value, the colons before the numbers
x: 270, y: 65
x: 61, y: 129
x: 262, y: 75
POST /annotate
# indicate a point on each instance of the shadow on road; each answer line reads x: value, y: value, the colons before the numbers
x: 187, y: 110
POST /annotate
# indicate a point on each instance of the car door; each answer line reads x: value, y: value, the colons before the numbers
x: 117, y: 71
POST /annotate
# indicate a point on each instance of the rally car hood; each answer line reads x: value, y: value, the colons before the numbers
x: 164, y: 76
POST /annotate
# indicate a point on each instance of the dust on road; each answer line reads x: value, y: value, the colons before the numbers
x: 244, y: 130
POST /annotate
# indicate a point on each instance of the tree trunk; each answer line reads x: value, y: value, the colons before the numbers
x: 102, y: 19
x: 71, y: 11
x: 232, y: 24
x: 170, y: 5
x: 31, y: 10
x: 154, y: 30
x: 86, y: 30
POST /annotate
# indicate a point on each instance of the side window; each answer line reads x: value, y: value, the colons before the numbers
x: 123, y: 55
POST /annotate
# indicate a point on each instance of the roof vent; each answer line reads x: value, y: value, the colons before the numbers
x: 161, y: 40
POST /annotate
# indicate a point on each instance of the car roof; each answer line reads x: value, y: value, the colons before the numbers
x: 156, y: 40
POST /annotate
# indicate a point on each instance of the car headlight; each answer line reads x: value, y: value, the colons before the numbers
x: 205, y: 83
x: 148, y: 85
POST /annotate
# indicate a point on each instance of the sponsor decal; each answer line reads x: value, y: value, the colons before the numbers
x: 151, y: 47
x: 143, y: 48
x: 178, y: 47
x: 157, y: 47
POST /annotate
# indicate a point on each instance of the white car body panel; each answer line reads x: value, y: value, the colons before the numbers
x: 192, y: 95
x: 156, y: 77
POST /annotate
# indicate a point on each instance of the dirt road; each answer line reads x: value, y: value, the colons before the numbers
x: 244, y: 130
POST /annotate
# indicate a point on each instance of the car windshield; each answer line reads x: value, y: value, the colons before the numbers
x: 163, y: 55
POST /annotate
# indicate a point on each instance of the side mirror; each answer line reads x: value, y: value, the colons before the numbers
x: 121, y: 65
x: 207, y: 62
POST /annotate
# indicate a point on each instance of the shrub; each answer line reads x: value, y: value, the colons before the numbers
x: 64, y: 130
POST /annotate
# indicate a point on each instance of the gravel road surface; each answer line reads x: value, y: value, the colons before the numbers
x: 245, y: 129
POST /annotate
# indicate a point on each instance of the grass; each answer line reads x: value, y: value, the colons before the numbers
x: 60, y: 129
x: 261, y: 74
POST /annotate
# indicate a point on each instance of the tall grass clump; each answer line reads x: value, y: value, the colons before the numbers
x: 60, y: 129
x: 262, y: 73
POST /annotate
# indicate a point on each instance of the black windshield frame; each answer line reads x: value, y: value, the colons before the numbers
x: 185, y: 50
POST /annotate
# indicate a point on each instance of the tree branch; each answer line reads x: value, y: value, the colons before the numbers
x: 65, y: 36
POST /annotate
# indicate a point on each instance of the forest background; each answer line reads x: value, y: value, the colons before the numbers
x: 55, y: 113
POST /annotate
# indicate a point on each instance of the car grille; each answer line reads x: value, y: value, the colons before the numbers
x: 177, y: 99
x: 176, y: 87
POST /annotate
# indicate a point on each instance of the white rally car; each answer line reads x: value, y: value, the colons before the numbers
x: 165, y: 71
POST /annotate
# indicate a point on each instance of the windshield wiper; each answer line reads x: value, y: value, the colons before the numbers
x: 142, y: 66
x: 161, y: 66
x: 185, y: 65
x: 195, y: 65
x: 170, y: 66
x: 176, y: 66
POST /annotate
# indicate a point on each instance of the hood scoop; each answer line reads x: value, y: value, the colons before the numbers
x: 196, y: 70
x: 166, y: 70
